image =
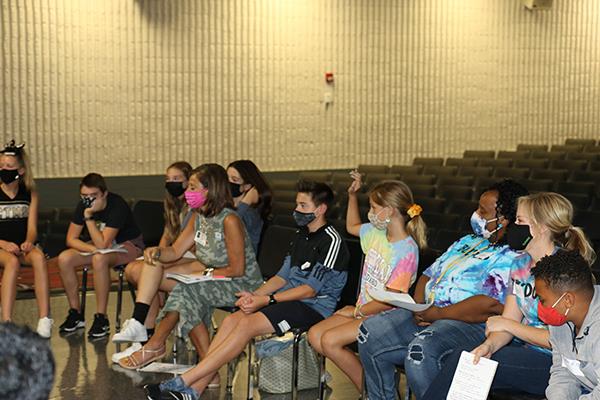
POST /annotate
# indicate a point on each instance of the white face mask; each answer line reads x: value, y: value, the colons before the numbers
x: 479, y: 225
x: 378, y: 223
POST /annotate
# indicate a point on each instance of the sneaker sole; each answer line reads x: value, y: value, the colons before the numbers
x: 129, y: 339
x: 80, y: 325
x: 99, y: 335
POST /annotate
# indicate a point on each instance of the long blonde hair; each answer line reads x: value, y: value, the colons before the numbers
x: 397, y: 194
x: 175, y: 208
x: 18, y: 152
x: 555, y: 211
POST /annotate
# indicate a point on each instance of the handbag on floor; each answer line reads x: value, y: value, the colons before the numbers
x: 275, y: 370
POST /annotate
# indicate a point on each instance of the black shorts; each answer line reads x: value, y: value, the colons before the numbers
x: 289, y: 315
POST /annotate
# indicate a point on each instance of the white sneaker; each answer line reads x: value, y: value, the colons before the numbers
x: 126, y: 353
x: 44, y: 327
x: 132, y: 331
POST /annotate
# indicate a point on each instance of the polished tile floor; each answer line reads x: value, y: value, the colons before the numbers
x: 84, y: 369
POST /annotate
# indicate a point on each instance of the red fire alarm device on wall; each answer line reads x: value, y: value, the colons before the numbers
x: 329, y: 77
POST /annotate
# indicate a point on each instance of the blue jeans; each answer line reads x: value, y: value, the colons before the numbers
x: 520, y: 369
x: 392, y: 338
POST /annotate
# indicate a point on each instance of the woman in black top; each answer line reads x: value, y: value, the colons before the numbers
x: 18, y: 234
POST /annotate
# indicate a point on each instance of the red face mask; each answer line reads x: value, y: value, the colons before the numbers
x: 550, y: 316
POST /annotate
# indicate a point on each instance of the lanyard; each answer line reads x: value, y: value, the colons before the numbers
x: 452, y: 265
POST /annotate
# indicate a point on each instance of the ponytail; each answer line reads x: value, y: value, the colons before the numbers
x: 417, y: 229
x: 574, y: 239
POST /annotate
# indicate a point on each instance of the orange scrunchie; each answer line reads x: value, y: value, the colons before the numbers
x: 414, y: 210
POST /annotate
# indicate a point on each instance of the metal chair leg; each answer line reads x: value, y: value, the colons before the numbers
x: 84, y: 279
x: 322, y: 382
x: 119, y: 300
x: 295, y: 356
x: 250, y: 390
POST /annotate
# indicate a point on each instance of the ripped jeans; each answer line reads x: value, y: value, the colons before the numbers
x: 392, y: 338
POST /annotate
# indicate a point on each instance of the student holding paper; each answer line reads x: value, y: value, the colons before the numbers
x: 391, y: 243
x: 177, y: 214
x: 109, y: 222
x: 570, y: 305
x: 466, y: 285
x: 221, y: 242
x: 518, y: 340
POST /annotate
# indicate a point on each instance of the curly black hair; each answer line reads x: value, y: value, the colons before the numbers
x: 565, y: 270
x: 509, y: 192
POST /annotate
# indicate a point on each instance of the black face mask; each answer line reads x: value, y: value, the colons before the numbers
x: 175, y: 189
x: 235, y: 189
x: 9, y: 175
x: 518, y: 236
x: 87, y: 201
x: 303, y: 219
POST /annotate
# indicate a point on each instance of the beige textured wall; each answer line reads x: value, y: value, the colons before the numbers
x: 127, y: 86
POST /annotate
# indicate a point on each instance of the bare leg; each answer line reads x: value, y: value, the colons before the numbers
x: 334, y: 342
x: 101, y: 264
x: 201, y: 339
x: 316, y: 332
x: 11, y: 265
x: 248, y: 327
x: 37, y: 260
x: 68, y: 261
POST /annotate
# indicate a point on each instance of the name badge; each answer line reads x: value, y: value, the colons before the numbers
x: 201, y: 238
x: 304, y: 266
x: 573, y: 366
x: 484, y: 255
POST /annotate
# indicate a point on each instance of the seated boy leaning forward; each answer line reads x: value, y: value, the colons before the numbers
x: 304, y: 292
x: 109, y: 221
x: 570, y: 305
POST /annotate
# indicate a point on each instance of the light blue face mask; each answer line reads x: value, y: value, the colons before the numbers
x: 479, y: 225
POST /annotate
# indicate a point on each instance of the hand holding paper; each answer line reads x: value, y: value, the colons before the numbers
x: 401, y: 300
x: 467, y: 373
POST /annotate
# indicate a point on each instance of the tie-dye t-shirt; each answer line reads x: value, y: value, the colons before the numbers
x: 391, y: 265
x: 522, y: 286
x: 485, y: 270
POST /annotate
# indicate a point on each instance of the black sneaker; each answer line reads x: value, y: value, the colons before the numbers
x: 175, y: 395
x: 152, y: 391
x: 73, y: 322
x: 100, y: 327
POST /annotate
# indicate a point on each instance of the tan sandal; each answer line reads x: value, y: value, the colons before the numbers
x: 146, y: 356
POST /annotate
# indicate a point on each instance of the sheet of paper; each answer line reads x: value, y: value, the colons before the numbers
x: 194, y: 278
x: 116, y: 249
x: 166, y: 368
x: 401, y: 300
x: 472, y: 382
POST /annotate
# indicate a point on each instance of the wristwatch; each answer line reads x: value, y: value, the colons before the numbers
x: 272, y: 299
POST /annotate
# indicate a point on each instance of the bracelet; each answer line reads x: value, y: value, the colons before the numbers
x: 360, y: 314
x: 88, y: 218
x: 357, y: 314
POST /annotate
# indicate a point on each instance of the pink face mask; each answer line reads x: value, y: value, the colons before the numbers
x: 195, y: 199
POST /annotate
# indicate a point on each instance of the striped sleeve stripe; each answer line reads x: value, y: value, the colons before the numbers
x: 334, y: 247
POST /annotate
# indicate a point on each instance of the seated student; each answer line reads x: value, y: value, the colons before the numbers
x: 251, y: 196
x: 544, y: 225
x: 467, y: 284
x: 26, y: 364
x: 109, y: 221
x: 222, y: 243
x: 304, y: 291
x: 176, y: 215
x: 570, y: 304
x: 18, y: 233
x: 391, y: 243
